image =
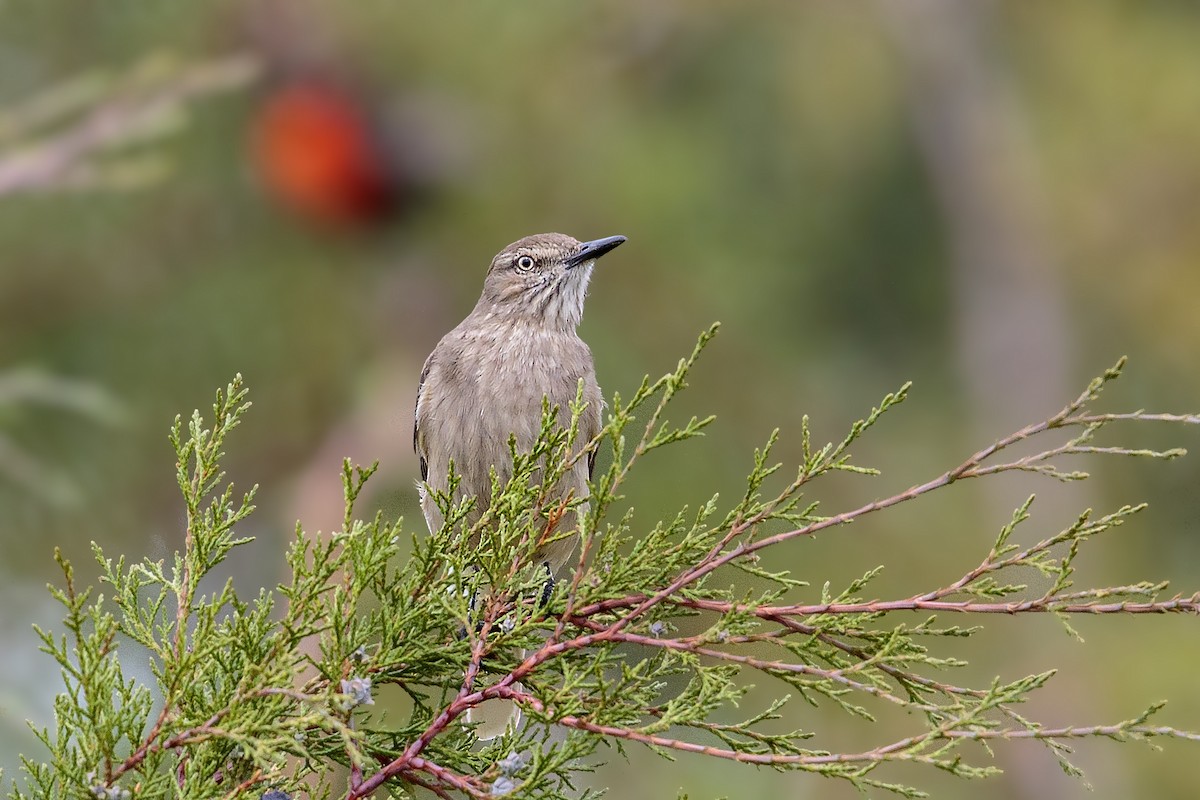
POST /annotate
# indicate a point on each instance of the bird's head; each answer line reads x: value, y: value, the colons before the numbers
x: 543, y: 278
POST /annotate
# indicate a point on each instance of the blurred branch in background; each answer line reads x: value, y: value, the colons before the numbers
x: 86, y: 131
x: 1010, y: 323
x: 33, y: 387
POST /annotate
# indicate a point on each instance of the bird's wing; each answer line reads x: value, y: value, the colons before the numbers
x: 418, y: 440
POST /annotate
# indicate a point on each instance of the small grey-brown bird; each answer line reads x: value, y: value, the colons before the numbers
x: 486, y: 379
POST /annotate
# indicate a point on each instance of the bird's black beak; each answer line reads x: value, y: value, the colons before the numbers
x: 594, y: 249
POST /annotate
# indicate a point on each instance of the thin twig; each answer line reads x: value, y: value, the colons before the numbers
x: 54, y: 158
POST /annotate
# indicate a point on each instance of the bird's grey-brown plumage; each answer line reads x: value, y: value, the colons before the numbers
x: 486, y: 379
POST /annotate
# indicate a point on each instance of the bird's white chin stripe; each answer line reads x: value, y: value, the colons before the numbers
x: 563, y: 298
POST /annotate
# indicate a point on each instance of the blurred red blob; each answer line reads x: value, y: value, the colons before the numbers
x: 319, y: 150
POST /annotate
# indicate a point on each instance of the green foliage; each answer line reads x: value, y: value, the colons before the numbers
x: 371, y: 654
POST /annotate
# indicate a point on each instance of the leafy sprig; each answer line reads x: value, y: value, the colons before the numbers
x: 371, y: 654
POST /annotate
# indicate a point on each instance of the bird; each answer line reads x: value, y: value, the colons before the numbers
x: 486, y: 381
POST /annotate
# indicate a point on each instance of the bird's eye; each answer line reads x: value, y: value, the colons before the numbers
x: 525, y: 263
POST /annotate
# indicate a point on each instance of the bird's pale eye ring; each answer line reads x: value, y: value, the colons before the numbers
x: 525, y: 263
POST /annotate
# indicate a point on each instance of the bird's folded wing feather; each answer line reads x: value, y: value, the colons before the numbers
x: 418, y: 439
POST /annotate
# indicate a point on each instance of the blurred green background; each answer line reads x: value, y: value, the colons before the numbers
x: 994, y: 200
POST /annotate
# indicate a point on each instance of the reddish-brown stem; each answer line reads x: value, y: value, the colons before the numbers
x: 253, y: 780
x: 892, y: 751
x: 725, y: 551
x: 716, y: 558
x: 447, y: 777
x: 465, y: 699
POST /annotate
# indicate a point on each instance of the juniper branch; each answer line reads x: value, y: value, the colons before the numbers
x: 451, y: 630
